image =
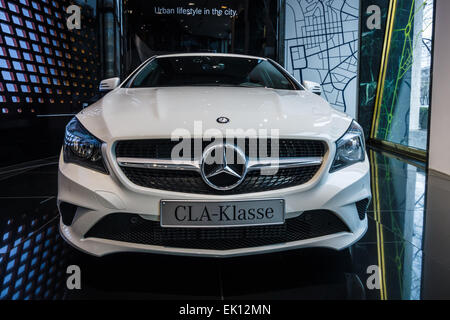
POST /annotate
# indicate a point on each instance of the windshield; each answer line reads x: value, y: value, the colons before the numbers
x: 211, y: 71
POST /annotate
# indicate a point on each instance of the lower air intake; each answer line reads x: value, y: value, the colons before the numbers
x: 134, y: 229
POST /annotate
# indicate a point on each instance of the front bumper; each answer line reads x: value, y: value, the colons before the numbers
x: 97, y: 195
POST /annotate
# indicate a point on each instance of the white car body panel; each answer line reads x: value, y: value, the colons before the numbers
x: 136, y: 113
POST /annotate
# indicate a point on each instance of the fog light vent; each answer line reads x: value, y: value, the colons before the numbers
x: 362, y: 206
x: 67, y: 211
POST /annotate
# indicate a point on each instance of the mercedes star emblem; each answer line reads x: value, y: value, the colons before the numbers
x: 223, y: 120
x: 223, y: 166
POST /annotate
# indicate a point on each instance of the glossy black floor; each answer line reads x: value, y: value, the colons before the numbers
x: 411, y: 255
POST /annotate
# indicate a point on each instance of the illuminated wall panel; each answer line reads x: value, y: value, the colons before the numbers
x: 44, y: 67
x: 402, y: 102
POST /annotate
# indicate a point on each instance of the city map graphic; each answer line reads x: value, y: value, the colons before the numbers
x: 322, y: 46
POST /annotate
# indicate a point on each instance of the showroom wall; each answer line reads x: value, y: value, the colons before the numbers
x: 371, y: 49
x: 440, y: 109
x: 402, y: 99
x: 321, y: 45
x: 48, y: 72
x: 167, y: 26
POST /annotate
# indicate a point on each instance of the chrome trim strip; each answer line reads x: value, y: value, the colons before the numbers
x: 195, y: 165
x: 162, y: 164
x: 264, y: 163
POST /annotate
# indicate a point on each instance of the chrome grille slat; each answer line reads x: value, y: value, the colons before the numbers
x: 194, y: 165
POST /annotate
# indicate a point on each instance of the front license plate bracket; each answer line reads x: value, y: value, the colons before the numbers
x: 216, y: 214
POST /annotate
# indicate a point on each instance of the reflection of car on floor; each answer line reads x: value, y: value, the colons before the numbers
x: 264, y: 164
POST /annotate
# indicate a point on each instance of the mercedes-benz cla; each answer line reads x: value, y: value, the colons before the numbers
x: 212, y: 155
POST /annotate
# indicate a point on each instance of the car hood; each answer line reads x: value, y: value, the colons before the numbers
x: 137, y: 113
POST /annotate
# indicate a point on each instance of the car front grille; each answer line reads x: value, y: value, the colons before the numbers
x: 192, y: 182
x: 132, y: 228
x: 162, y: 148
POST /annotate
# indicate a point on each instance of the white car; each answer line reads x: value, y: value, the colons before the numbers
x: 212, y: 155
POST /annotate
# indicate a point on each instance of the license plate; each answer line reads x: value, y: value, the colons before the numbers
x: 191, y: 214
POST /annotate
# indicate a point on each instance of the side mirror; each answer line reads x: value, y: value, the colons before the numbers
x: 109, y: 84
x: 314, y: 87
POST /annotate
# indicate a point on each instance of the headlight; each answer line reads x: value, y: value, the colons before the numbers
x: 83, y: 148
x: 350, y: 148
